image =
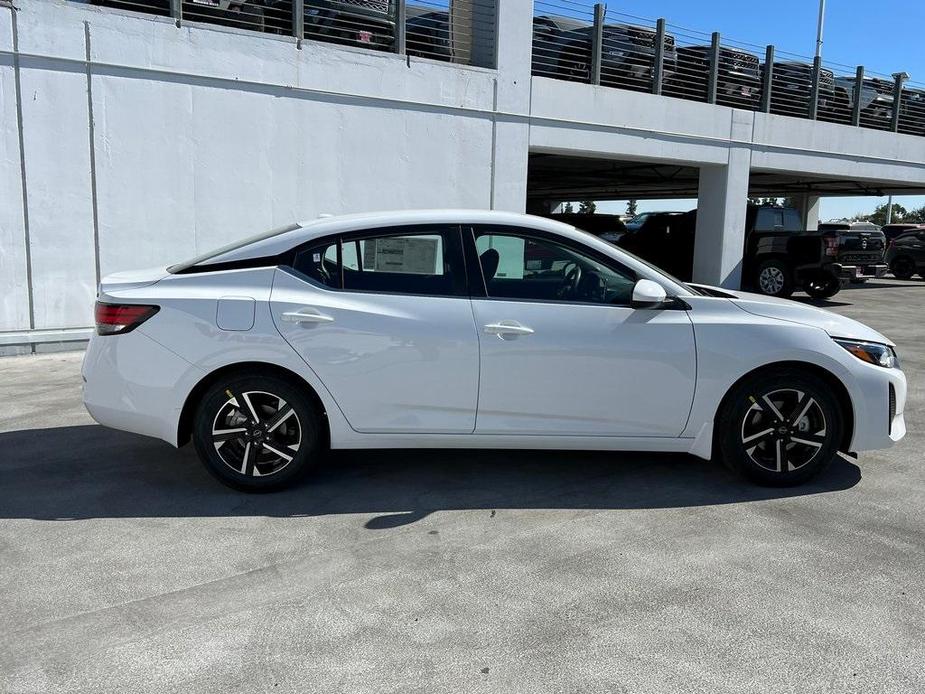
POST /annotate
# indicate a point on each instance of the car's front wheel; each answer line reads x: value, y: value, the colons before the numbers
x: 780, y: 427
x: 256, y: 433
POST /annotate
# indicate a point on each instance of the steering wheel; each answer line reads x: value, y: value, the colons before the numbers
x: 571, y: 278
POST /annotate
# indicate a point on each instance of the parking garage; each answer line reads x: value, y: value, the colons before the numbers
x: 172, y: 136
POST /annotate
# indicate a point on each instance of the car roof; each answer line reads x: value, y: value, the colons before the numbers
x: 307, y: 230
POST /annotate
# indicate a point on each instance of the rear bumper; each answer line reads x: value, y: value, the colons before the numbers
x: 134, y: 384
x: 856, y: 272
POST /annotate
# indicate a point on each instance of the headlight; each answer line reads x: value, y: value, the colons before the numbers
x: 871, y: 352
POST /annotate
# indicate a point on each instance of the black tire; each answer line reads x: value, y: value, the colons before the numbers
x: 822, y: 287
x: 774, y: 278
x: 749, y: 431
x: 903, y: 267
x: 260, y: 447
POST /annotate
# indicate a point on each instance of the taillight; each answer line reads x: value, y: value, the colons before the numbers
x: 831, y: 245
x: 116, y: 319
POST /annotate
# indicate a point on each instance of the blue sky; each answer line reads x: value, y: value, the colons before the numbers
x: 884, y: 36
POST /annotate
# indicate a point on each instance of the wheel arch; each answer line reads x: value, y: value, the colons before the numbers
x: 185, y: 422
x: 838, y: 388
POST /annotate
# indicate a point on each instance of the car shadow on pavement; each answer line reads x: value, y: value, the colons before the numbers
x: 89, y: 471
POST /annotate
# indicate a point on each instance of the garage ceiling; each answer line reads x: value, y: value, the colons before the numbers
x: 554, y: 177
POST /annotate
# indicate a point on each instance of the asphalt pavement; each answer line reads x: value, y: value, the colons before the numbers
x: 124, y: 567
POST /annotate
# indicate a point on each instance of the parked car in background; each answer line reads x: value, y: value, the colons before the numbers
x: 791, y: 88
x: 608, y: 227
x: 912, y: 113
x: 427, y: 33
x: 637, y: 221
x: 738, y: 78
x: 876, y: 99
x: 562, y: 48
x: 906, y: 255
x: 473, y: 329
x: 665, y: 239
x: 364, y: 23
x: 892, y: 231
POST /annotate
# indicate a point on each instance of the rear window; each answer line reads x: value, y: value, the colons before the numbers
x: 180, y: 267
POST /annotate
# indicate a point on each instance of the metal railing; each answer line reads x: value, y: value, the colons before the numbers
x: 458, y: 31
x: 584, y: 42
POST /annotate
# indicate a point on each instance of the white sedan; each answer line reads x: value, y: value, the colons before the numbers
x: 470, y: 329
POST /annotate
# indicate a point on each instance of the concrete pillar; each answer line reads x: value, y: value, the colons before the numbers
x: 809, y: 210
x: 513, y: 57
x: 720, y: 239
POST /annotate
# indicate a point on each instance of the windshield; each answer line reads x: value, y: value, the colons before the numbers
x: 657, y: 270
x: 180, y: 267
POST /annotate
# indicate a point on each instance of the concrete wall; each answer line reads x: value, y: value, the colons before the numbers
x: 145, y: 143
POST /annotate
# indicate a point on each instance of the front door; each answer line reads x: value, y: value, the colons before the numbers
x: 384, y: 320
x: 562, y: 350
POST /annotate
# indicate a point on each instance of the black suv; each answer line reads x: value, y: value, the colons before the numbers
x: 906, y: 255
x: 738, y: 77
x: 562, y: 48
x: 791, y: 88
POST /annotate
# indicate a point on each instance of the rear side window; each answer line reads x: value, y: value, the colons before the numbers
x: 412, y: 260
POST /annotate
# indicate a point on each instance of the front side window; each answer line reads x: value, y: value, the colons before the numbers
x: 417, y: 261
x: 519, y: 266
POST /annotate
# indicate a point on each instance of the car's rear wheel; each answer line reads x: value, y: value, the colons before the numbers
x: 256, y: 433
x: 780, y: 427
x: 902, y: 268
x: 774, y: 278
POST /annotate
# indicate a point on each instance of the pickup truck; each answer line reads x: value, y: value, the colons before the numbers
x: 778, y: 256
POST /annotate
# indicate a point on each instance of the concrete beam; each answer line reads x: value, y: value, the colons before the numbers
x: 512, y: 130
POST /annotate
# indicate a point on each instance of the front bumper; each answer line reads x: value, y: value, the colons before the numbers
x: 878, y: 412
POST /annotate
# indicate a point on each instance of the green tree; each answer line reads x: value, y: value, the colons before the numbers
x: 879, y: 215
x: 568, y: 208
x: 587, y: 207
x: 915, y: 216
x: 631, y: 207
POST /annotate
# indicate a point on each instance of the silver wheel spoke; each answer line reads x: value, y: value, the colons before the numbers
x: 773, y: 408
x: 245, y: 457
x: 250, y: 406
x: 273, y: 449
x: 808, y: 442
x: 809, y: 403
x: 759, y: 436
x: 284, y: 413
x: 780, y: 457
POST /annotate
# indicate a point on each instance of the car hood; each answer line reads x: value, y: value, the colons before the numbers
x: 784, y: 309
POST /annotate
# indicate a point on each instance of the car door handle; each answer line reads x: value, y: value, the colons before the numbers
x: 307, y: 315
x: 507, y: 327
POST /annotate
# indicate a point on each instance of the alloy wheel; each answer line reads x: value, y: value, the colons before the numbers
x: 771, y: 280
x: 783, y: 430
x: 256, y: 433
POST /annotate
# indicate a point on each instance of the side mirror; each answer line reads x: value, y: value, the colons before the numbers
x: 649, y: 294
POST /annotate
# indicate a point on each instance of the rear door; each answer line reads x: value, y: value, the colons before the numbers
x: 383, y: 318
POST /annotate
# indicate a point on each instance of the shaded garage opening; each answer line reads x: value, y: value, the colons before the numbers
x: 707, y: 247
x: 554, y: 178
